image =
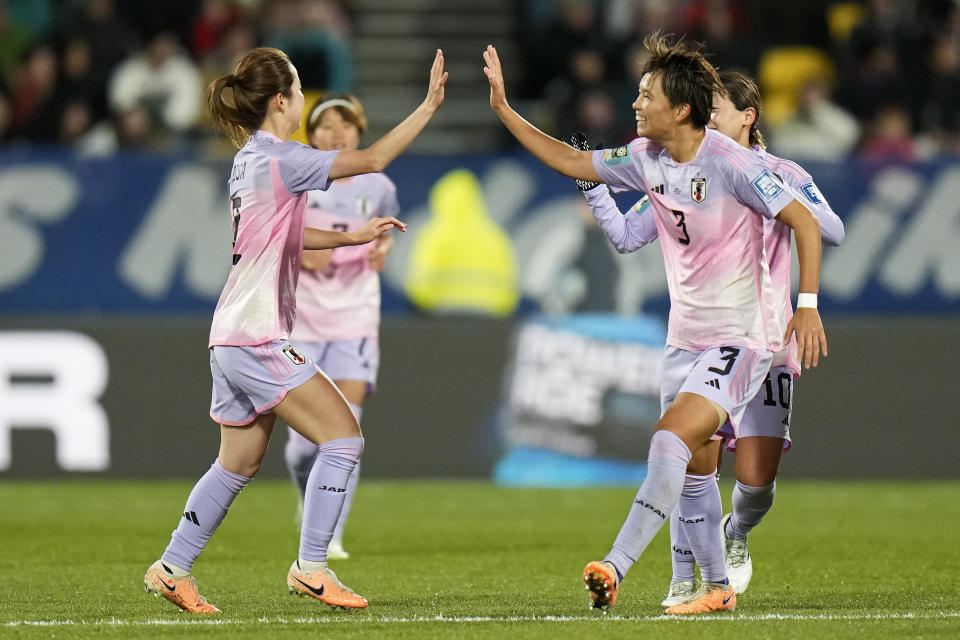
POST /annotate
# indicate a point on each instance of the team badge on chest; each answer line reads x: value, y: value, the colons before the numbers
x: 698, y: 189
x: 364, y: 206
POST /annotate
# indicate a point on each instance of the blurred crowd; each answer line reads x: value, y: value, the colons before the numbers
x: 880, y: 78
x: 101, y: 75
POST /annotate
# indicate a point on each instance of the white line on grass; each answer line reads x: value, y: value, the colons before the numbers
x: 116, y: 622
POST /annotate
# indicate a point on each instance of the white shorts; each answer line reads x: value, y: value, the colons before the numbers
x: 252, y: 380
x: 353, y: 359
x: 728, y: 376
x: 768, y: 414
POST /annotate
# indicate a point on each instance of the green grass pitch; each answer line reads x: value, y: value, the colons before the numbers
x: 470, y: 560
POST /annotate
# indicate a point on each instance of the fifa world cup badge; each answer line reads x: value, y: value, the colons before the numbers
x: 698, y: 189
x: 616, y: 156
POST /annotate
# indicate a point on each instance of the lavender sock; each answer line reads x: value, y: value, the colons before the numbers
x: 684, y: 566
x: 351, y: 483
x: 699, y: 514
x: 750, y: 504
x: 327, y: 487
x: 658, y: 495
x: 205, y: 509
x: 299, y: 454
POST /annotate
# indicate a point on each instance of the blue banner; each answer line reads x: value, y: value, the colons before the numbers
x: 141, y: 233
x: 581, y: 400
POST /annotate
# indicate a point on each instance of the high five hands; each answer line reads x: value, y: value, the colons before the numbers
x: 498, y: 95
x: 438, y: 79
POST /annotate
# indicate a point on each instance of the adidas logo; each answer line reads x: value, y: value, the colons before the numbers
x: 713, y: 383
x: 191, y: 516
x: 658, y: 189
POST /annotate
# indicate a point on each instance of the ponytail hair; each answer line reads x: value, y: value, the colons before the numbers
x: 257, y: 77
x: 743, y: 92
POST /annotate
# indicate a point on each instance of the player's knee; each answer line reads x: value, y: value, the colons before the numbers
x: 757, y: 476
x: 247, y: 468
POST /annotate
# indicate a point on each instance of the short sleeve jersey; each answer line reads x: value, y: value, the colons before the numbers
x: 342, y: 301
x: 776, y: 238
x: 710, y: 216
x: 268, y: 194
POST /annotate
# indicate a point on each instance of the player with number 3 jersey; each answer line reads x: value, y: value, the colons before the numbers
x: 710, y: 198
x: 764, y: 432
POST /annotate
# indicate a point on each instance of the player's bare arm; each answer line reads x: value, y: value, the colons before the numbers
x: 557, y: 155
x: 806, y: 323
x: 381, y: 153
x: 325, y: 239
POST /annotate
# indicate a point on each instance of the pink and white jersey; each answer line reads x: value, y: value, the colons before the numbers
x: 267, y: 186
x: 342, y: 301
x: 709, y: 214
x: 776, y: 239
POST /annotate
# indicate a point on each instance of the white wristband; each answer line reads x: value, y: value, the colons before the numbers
x: 806, y: 300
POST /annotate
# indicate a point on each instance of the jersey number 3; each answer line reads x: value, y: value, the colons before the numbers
x: 682, y: 225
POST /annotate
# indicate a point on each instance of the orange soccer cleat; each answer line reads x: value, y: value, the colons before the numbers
x: 601, y: 581
x: 323, y: 585
x: 711, y: 596
x: 180, y: 591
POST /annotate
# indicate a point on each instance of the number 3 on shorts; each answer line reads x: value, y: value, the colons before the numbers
x: 730, y: 358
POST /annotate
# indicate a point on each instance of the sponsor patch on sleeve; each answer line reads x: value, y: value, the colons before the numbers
x: 767, y: 186
x: 616, y: 156
x: 813, y: 194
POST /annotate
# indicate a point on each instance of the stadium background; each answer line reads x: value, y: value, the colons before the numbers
x: 113, y: 234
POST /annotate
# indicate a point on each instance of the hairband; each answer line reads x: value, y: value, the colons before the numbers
x: 334, y: 102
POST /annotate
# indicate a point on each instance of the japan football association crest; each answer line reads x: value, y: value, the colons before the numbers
x: 295, y: 356
x: 698, y: 189
x: 364, y: 206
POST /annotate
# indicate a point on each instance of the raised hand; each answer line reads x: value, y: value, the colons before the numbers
x: 438, y: 78
x: 375, y: 227
x: 498, y: 95
x: 811, y: 338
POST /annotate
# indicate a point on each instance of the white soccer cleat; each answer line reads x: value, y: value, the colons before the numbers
x: 678, y: 592
x: 335, y: 551
x: 737, y: 558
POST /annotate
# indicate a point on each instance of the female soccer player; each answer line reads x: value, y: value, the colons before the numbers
x: 764, y: 431
x: 709, y: 196
x: 338, y: 296
x: 257, y: 373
